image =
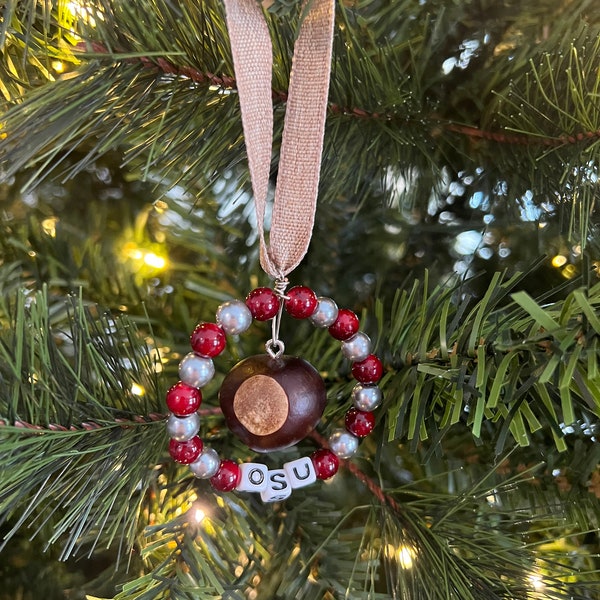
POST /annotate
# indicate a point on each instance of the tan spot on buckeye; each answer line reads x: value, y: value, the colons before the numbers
x: 261, y: 405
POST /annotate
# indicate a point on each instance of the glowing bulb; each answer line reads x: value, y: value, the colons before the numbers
x: 80, y: 11
x: 405, y: 557
x: 559, y: 260
x: 58, y: 66
x: 198, y: 515
x: 536, y: 582
x: 153, y: 260
x: 569, y: 272
x: 49, y: 226
x: 137, y: 390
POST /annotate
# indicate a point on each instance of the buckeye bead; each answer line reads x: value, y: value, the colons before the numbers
x: 183, y: 399
x: 263, y: 303
x: 208, y: 339
x: 366, y: 397
x: 185, y: 452
x: 343, y: 443
x: 357, y: 348
x: 227, y: 476
x: 182, y: 429
x: 325, y: 462
x: 301, y: 302
x: 325, y: 314
x: 234, y: 317
x: 345, y: 326
x: 272, y: 403
x: 368, y: 370
x: 359, y: 422
x: 207, y: 464
x: 196, y: 371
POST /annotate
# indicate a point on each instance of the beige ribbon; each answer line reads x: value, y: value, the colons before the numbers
x: 302, y: 143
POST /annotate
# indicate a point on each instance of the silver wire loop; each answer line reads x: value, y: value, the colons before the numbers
x: 279, y: 288
x: 271, y: 345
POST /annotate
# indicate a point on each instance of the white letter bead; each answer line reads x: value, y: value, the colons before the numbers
x: 278, y: 487
x: 254, y: 478
x: 300, y: 472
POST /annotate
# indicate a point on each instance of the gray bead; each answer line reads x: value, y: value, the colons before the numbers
x: 234, y: 317
x: 343, y: 444
x: 366, y: 397
x: 207, y: 464
x: 183, y: 428
x: 357, y: 348
x: 325, y: 314
x: 196, y: 370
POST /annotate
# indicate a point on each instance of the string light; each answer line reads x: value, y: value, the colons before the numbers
x: 155, y: 261
x: 49, y: 226
x: 198, y: 515
x: 58, y: 66
x: 145, y: 257
x: 535, y: 579
x: 79, y: 11
x: 569, y: 272
x: 404, y: 555
x: 559, y: 260
x: 137, y: 390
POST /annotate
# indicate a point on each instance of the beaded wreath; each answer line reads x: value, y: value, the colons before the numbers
x: 196, y: 369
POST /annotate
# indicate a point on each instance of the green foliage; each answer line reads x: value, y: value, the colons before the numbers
x: 449, y: 125
x: 154, y: 79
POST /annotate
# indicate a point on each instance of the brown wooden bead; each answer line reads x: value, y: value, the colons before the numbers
x: 272, y: 403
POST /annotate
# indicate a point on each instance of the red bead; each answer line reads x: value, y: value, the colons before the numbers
x: 359, y: 422
x: 185, y: 452
x: 325, y: 462
x: 183, y: 399
x: 263, y: 303
x: 208, y: 339
x: 301, y: 302
x: 227, y: 477
x: 369, y: 370
x: 345, y: 326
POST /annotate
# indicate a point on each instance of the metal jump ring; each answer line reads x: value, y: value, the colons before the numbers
x: 271, y: 344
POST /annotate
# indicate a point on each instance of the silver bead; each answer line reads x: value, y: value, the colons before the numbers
x: 343, y: 443
x: 183, y: 428
x: 196, y: 370
x: 357, y: 348
x: 366, y: 397
x: 325, y: 314
x: 234, y: 317
x: 207, y: 464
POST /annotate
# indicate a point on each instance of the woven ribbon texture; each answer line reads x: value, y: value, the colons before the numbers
x: 302, y: 143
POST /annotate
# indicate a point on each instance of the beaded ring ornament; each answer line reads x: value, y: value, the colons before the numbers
x: 271, y: 401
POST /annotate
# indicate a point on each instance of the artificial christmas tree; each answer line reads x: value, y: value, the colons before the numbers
x: 457, y: 219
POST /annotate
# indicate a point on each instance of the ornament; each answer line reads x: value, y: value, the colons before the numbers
x: 272, y: 401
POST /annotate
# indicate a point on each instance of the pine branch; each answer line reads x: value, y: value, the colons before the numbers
x: 57, y: 375
x: 297, y: 553
x: 178, y: 129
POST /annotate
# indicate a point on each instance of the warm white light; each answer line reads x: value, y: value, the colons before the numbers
x: 153, y: 260
x: 536, y: 582
x: 49, y: 226
x: 198, y: 515
x: 405, y: 557
x: 559, y: 260
x: 137, y: 389
x: 80, y: 11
